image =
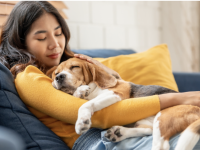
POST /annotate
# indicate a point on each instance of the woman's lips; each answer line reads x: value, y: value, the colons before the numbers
x: 54, y: 56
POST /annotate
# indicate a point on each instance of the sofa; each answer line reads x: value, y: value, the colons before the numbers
x: 15, y: 116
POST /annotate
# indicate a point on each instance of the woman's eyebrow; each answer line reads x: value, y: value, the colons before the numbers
x: 43, y: 31
x: 57, y: 27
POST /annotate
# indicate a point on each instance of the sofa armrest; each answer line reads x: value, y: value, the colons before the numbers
x: 187, y: 81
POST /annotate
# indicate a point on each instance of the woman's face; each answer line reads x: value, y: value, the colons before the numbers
x: 46, y: 41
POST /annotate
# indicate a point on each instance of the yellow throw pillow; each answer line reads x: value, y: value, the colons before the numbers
x: 152, y: 67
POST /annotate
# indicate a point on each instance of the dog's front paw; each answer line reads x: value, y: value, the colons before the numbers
x: 114, y: 134
x: 83, y: 124
x: 82, y: 91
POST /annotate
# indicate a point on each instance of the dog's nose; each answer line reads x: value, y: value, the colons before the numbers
x: 60, y: 78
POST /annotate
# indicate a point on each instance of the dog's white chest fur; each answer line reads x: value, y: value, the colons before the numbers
x: 95, y: 91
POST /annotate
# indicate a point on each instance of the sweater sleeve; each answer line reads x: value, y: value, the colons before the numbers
x: 36, y: 91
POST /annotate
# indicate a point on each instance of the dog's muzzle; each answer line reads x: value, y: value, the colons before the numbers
x: 60, y: 78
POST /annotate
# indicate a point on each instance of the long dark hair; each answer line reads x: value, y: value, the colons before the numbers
x: 13, y: 51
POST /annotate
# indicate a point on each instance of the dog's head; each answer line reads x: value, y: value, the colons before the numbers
x: 74, y: 72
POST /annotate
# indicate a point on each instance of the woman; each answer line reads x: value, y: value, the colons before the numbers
x: 34, y: 39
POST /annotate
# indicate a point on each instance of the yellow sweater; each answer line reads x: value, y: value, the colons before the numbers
x: 58, y: 110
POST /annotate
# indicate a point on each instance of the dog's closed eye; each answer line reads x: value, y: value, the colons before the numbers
x: 72, y: 67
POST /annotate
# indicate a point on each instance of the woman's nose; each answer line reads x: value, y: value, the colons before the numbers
x: 53, y: 43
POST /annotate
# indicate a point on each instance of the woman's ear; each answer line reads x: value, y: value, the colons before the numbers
x: 50, y: 71
x: 101, y: 77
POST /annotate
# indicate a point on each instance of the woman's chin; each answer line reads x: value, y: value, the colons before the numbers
x: 50, y: 65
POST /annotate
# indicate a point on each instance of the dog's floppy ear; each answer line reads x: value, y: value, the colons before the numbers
x: 50, y: 71
x: 101, y: 77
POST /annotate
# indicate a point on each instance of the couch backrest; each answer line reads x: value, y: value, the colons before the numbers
x: 103, y: 53
x: 15, y: 115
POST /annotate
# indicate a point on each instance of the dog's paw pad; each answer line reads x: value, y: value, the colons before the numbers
x: 82, y: 91
x: 117, y: 132
x: 82, y: 125
x: 87, y: 92
x: 114, y: 134
x: 86, y: 121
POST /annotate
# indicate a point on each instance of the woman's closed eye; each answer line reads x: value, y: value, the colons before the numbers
x: 41, y: 39
x: 46, y: 37
x: 59, y: 34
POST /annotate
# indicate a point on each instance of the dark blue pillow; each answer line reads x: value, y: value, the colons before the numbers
x: 103, y: 53
x: 15, y: 115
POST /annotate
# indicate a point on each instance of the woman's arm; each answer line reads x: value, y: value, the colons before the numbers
x: 186, y: 98
x: 36, y: 91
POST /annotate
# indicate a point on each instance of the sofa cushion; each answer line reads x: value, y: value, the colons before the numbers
x: 103, y: 53
x: 151, y: 67
x: 15, y: 115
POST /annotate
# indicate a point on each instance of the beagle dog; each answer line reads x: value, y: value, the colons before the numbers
x: 88, y: 81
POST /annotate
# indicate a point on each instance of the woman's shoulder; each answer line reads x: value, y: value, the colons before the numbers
x: 30, y: 74
x: 31, y: 70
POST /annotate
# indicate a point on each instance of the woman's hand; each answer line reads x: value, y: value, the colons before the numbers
x: 186, y: 98
x: 91, y: 60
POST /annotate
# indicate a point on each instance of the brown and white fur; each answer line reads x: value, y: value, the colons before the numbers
x: 88, y: 81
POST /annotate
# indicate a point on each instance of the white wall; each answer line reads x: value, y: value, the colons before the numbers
x: 114, y: 25
x: 180, y: 30
x: 139, y: 26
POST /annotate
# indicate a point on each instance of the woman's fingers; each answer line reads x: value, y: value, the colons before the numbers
x: 91, y: 60
x: 84, y: 57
